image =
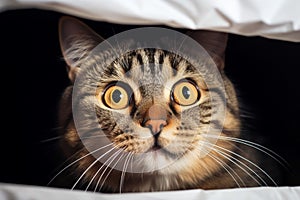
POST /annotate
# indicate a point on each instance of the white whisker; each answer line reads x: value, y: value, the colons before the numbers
x: 99, y: 179
x: 131, y: 168
x: 91, y: 167
x: 254, y: 145
x: 109, y: 172
x: 224, y: 167
x: 250, y: 162
x: 234, y: 161
x: 111, y: 159
x: 101, y: 168
x: 51, y: 139
x: 124, y: 172
x: 61, y: 171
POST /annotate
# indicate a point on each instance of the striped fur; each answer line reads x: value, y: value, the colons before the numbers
x: 151, y: 73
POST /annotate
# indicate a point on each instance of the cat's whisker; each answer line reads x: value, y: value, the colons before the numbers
x: 111, y: 159
x: 90, y: 166
x: 223, y: 165
x: 80, y: 150
x: 255, y: 165
x: 77, y: 160
x: 237, y: 162
x: 67, y: 160
x: 107, y: 165
x: 131, y: 168
x: 51, y: 139
x: 246, y: 114
x: 234, y: 171
x: 110, y: 172
x: 254, y: 145
x: 92, y: 179
x: 250, y: 162
x: 122, y: 178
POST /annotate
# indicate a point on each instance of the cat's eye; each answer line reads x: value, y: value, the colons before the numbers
x: 185, y: 93
x: 116, y: 97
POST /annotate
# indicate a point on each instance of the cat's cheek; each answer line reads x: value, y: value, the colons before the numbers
x: 139, y: 141
x: 176, y: 145
x: 165, y: 137
x: 143, y: 145
x: 164, y: 142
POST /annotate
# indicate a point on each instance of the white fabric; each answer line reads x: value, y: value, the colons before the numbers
x: 276, y: 19
x: 22, y: 192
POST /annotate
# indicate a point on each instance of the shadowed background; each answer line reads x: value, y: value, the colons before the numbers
x: 264, y: 72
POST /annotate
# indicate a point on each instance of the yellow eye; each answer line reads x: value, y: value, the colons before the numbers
x: 115, y: 97
x: 185, y: 93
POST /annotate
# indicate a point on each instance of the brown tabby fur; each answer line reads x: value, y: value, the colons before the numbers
x: 189, y: 171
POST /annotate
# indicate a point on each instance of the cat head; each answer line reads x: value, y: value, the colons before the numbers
x: 153, y: 108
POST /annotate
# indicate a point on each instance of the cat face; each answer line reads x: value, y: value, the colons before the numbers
x: 153, y: 107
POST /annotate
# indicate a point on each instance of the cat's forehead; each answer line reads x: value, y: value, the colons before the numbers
x: 147, y: 72
x: 151, y: 67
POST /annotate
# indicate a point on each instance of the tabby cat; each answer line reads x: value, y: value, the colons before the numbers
x: 153, y: 103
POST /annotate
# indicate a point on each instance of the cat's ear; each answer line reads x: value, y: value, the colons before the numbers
x: 213, y: 42
x: 77, y: 40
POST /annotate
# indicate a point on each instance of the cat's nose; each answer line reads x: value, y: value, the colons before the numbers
x: 155, y: 125
x: 155, y: 119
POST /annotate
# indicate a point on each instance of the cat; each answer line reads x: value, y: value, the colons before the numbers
x: 147, y: 119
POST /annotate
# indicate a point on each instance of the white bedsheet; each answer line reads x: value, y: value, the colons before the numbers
x: 276, y: 19
x: 23, y: 192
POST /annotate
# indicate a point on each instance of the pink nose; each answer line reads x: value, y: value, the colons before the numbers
x: 156, y: 118
x: 155, y: 125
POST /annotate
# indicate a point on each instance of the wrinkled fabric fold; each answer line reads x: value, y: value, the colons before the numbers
x: 23, y: 192
x: 275, y: 19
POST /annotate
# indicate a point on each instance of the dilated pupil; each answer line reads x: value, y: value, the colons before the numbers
x: 186, y: 92
x: 116, y: 96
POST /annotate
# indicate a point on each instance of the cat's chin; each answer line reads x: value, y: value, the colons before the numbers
x: 156, y: 159
x: 160, y: 151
